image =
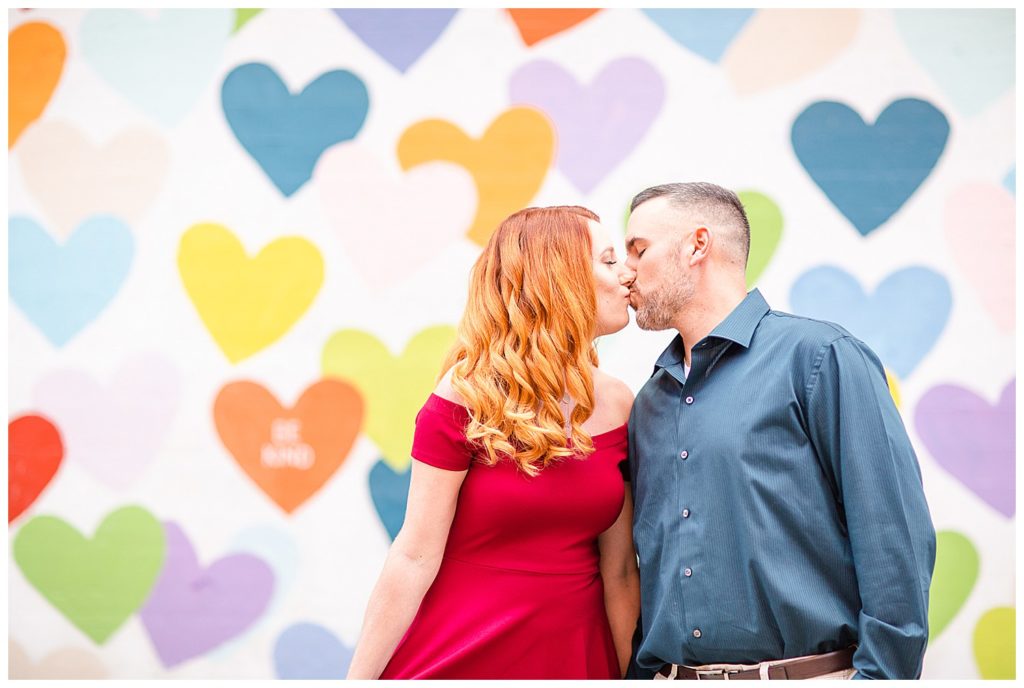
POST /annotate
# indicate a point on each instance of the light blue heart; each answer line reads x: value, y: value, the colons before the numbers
x: 286, y: 134
x: 901, y: 321
x: 390, y: 493
x: 969, y: 53
x: 310, y: 651
x: 867, y: 171
x: 161, y: 65
x: 707, y: 32
x: 1010, y: 181
x: 61, y: 289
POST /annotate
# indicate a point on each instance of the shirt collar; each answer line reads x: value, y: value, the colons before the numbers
x: 737, y: 327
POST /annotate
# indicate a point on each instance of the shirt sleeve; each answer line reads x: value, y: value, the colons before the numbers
x: 440, y: 439
x: 860, y: 439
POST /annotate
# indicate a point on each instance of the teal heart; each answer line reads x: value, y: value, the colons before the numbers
x: 969, y: 52
x: 97, y: 584
x: 390, y: 492
x: 162, y: 65
x: 285, y: 133
x: 61, y: 289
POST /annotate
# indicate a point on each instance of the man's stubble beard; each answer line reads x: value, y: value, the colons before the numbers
x: 660, y: 308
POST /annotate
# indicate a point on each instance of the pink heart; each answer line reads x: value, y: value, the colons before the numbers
x: 980, y: 228
x: 113, y: 430
x: 72, y: 178
x: 393, y: 223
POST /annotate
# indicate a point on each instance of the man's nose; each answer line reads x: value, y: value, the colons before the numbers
x: 626, y: 276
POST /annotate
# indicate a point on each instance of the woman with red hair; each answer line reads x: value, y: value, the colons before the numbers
x: 516, y: 557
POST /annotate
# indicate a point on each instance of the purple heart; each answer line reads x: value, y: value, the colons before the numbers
x: 972, y: 440
x: 597, y: 125
x: 192, y: 610
x: 399, y: 36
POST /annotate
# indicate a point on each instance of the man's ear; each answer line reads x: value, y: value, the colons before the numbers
x: 700, y: 243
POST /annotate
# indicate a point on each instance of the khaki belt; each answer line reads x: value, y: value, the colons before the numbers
x: 809, y: 667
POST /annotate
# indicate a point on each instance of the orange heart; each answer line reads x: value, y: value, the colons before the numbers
x: 289, y: 454
x: 36, y: 54
x: 508, y: 164
x: 537, y: 24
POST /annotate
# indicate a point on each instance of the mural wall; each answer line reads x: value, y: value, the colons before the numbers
x: 239, y: 242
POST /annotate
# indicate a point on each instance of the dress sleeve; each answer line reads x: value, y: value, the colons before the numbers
x: 440, y: 436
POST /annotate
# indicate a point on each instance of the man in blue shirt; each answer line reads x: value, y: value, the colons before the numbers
x: 779, y: 519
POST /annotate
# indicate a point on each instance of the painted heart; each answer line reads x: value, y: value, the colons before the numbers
x: 71, y: 178
x: 35, y: 53
x: 597, y: 125
x: 765, y: 220
x: 400, y: 36
x: 869, y: 171
x: 64, y: 664
x: 161, y: 65
x: 894, y: 389
x: 987, y: 214
x: 901, y: 321
x: 193, y: 609
x: 114, y: 430
x: 289, y: 453
x: 97, y: 584
x: 310, y: 651
x: 61, y: 289
x: 247, y: 304
x: 707, y: 32
x: 277, y: 548
x: 390, y: 493
x: 286, y: 134
x: 995, y: 644
x: 410, y: 220
x: 973, y: 440
x: 969, y: 53
x: 508, y: 163
x: 956, y: 571
x: 778, y: 46
x: 394, y: 388
x: 537, y: 24
x: 1010, y: 181
x: 243, y: 16
x: 34, y: 453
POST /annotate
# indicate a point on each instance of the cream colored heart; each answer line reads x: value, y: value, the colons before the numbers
x: 67, y: 663
x: 73, y: 178
x: 780, y: 45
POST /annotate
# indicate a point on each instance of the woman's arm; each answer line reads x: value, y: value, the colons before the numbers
x: 621, y: 578
x: 409, y: 569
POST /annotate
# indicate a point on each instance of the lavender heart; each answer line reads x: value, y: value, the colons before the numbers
x: 598, y: 125
x: 400, y: 36
x: 192, y: 610
x: 972, y: 439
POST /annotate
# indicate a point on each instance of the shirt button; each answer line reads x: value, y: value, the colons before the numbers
x: 686, y: 513
x: 696, y: 633
x: 687, y: 572
x: 683, y: 454
x: 689, y: 400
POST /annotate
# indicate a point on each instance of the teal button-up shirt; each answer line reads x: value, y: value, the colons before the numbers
x: 779, y: 510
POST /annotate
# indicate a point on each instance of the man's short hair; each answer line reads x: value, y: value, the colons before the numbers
x: 710, y: 203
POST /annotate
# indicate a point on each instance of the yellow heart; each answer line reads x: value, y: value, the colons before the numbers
x: 394, y: 388
x: 894, y: 387
x: 247, y: 303
x: 508, y: 163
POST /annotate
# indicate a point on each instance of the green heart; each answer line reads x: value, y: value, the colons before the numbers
x: 97, y: 584
x: 956, y: 570
x: 394, y: 388
x: 242, y: 16
x: 995, y: 639
x: 765, y: 231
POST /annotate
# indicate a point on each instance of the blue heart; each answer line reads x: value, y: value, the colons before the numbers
x: 869, y: 172
x: 286, y: 134
x: 399, y: 36
x: 1010, y: 181
x: 901, y: 321
x: 63, y: 288
x: 389, y: 491
x: 704, y: 31
x: 310, y: 651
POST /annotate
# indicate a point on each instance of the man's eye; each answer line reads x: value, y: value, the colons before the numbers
x: 640, y: 253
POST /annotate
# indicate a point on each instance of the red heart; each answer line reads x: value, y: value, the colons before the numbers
x: 289, y: 454
x: 34, y: 452
x: 537, y: 24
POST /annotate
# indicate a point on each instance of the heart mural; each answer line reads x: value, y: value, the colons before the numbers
x: 310, y: 651
x: 956, y: 571
x: 765, y: 220
x: 389, y: 490
x: 707, y: 32
x: 400, y: 36
x: 35, y: 61
x: 535, y: 25
x: 34, y: 453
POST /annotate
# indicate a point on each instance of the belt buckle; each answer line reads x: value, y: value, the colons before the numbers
x: 724, y: 673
